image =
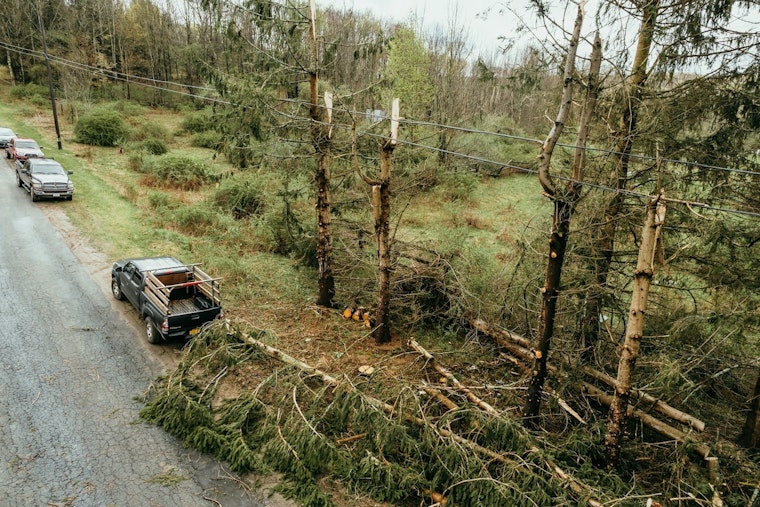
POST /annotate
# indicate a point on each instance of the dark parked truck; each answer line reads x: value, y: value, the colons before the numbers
x: 174, y: 299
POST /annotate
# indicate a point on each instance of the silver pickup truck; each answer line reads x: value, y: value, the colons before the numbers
x: 44, y: 178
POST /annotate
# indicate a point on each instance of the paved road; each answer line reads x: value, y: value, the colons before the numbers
x: 69, y: 372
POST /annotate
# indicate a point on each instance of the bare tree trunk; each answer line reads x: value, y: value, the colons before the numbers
x: 618, y: 414
x: 10, y: 67
x: 381, y: 205
x: 322, y: 141
x: 557, y: 245
x: 381, y: 201
x: 558, y: 239
x: 626, y: 134
x: 750, y: 436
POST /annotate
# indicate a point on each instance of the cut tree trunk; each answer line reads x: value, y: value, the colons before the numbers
x: 643, y: 273
x: 322, y: 141
x: 563, y: 208
x: 626, y: 134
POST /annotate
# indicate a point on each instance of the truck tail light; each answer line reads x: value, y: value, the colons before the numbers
x: 165, y: 326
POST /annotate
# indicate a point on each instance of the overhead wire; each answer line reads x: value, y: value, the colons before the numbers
x: 156, y: 84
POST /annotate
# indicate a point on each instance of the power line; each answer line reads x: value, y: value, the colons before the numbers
x: 153, y: 83
x: 146, y: 81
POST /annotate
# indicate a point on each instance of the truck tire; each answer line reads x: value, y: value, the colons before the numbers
x: 116, y: 289
x: 151, y: 333
x: 31, y: 192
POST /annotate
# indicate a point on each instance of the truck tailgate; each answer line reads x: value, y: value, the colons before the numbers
x: 185, y: 323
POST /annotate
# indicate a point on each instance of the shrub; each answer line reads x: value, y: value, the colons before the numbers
x: 30, y: 90
x: 101, y: 128
x: 457, y: 186
x: 198, y: 122
x: 154, y: 146
x: 149, y: 130
x: 208, y: 139
x: 241, y: 197
x: 178, y: 171
x: 158, y: 199
x: 196, y: 220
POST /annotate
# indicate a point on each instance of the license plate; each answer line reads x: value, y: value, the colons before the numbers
x: 56, y: 195
x: 195, y: 331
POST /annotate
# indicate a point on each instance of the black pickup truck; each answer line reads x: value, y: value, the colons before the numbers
x: 173, y: 299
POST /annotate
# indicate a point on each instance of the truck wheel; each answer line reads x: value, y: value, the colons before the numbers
x: 18, y: 179
x: 34, y: 196
x: 151, y: 333
x: 116, y: 289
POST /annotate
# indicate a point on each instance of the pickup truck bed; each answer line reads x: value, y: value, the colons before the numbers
x: 174, y: 299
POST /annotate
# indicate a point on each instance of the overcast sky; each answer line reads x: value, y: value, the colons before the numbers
x: 483, y: 30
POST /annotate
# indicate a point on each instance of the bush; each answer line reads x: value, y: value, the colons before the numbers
x: 101, y: 128
x: 196, y: 220
x: 198, y: 122
x: 158, y: 199
x: 241, y: 197
x: 29, y: 91
x: 148, y: 130
x: 154, y: 146
x: 208, y: 139
x: 178, y: 171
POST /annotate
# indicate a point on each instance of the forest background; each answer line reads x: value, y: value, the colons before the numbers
x: 212, y: 130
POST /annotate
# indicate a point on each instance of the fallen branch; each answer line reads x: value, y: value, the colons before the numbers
x: 446, y: 373
x: 576, y: 486
x: 471, y: 396
x: 520, y: 346
x: 654, y: 423
x: 438, y: 395
x: 352, y: 438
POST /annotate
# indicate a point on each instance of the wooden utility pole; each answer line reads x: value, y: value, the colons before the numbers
x: 321, y: 135
x: 618, y: 414
x: 50, y: 78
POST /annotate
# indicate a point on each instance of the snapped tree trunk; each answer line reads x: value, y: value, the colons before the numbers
x: 625, y: 136
x: 643, y: 274
x: 563, y: 207
x: 750, y: 437
x: 381, y: 205
x: 322, y: 141
x: 557, y: 245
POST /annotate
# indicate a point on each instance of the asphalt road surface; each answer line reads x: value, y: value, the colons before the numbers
x: 72, y: 364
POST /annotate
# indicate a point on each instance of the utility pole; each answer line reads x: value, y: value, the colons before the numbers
x: 50, y: 78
